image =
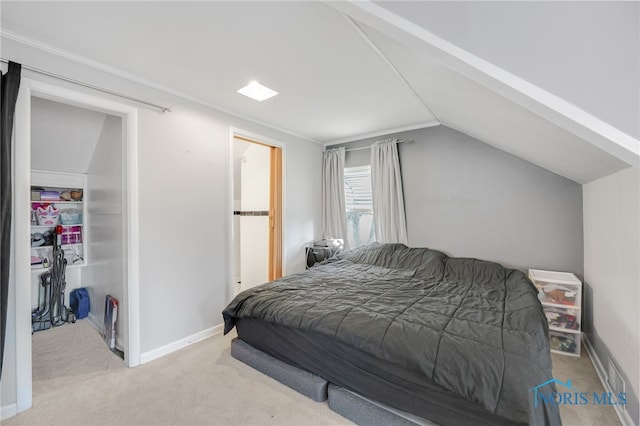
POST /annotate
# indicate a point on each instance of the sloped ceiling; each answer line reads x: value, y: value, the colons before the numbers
x: 587, y: 53
x: 344, y: 71
x: 57, y: 146
x: 490, y: 117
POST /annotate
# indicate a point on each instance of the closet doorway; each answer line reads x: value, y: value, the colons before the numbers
x: 104, y: 248
x: 257, y: 212
x: 76, y: 151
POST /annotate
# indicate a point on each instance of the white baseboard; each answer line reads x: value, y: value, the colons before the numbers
x: 8, y: 411
x: 179, y: 344
x: 623, y: 415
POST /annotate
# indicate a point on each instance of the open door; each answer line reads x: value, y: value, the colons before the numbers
x: 275, y: 215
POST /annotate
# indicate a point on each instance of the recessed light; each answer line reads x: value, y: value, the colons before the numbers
x: 257, y: 91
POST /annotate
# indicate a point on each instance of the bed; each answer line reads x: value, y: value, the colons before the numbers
x: 452, y: 340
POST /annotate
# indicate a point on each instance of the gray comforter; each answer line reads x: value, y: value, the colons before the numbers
x: 473, y: 327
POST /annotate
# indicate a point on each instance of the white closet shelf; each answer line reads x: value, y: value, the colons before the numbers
x: 53, y: 226
x: 55, y: 202
x: 38, y: 268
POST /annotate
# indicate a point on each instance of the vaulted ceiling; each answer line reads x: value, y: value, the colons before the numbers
x: 58, y: 147
x: 343, y: 70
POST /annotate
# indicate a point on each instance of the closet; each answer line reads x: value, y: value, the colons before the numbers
x: 77, y: 182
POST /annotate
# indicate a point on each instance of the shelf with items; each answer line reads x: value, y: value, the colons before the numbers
x: 51, y: 226
x: 55, y: 202
x: 43, y: 255
x: 560, y: 294
x: 53, y: 207
x: 54, y: 213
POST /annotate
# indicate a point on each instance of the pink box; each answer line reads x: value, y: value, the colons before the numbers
x: 71, y: 235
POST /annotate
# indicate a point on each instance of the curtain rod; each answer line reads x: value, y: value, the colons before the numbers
x: 163, y: 109
x: 369, y: 146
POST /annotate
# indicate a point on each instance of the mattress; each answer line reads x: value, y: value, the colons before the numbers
x: 443, y: 338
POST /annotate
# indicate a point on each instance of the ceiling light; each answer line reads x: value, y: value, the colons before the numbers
x: 257, y: 91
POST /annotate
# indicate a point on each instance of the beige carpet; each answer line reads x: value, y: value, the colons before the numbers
x: 78, y: 381
x: 583, y: 378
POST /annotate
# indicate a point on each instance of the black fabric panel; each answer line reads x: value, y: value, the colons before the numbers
x: 9, y: 85
x: 364, y: 374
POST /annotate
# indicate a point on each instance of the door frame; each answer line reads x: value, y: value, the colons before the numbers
x: 267, y: 141
x: 21, y: 249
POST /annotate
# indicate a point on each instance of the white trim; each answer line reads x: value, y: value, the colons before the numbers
x: 132, y: 337
x: 21, y: 254
x: 537, y: 100
x: 137, y: 79
x: 231, y: 267
x: 180, y: 344
x: 256, y: 137
x: 22, y: 179
x: 623, y: 415
x: 383, y: 132
x: 8, y: 411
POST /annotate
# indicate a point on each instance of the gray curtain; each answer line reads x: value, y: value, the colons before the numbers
x: 386, y: 188
x: 334, y: 211
x: 9, y: 85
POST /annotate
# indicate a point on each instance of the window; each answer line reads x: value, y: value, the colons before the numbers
x: 357, y: 192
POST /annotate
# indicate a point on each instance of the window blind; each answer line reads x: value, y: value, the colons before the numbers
x: 357, y: 188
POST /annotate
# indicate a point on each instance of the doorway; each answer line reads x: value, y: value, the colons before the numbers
x: 77, y: 151
x: 122, y: 121
x: 257, y: 212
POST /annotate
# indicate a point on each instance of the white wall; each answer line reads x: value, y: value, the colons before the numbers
x: 612, y: 274
x: 255, y: 170
x: 469, y: 199
x: 237, y: 253
x: 183, y: 258
x: 254, y: 251
x: 302, y: 203
x: 239, y: 147
x: 254, y: 230
x: 63, y: 137
x: 104, y: 271
x: 183, y: 204
x: 584, y: 52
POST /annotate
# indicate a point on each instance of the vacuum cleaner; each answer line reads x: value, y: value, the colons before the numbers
x: 51, y: 311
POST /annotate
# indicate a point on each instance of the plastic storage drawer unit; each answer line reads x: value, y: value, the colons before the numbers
x: 563, y: 318
x: 561, y: 296
x: 564, y: 343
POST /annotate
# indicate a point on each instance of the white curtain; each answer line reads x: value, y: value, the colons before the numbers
x: 334, y: 213
x: 386, y: 186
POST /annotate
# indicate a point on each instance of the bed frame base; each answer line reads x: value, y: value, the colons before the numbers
x: 350, y: 405
x: 300, y: 380
x: 363, y: 411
